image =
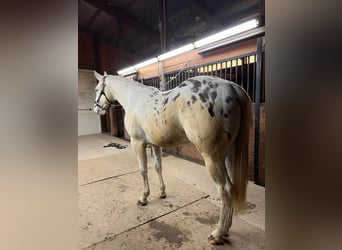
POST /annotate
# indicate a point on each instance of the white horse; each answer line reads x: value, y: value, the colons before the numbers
x: 212, y: 113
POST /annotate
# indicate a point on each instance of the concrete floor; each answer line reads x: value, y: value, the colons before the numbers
x: 110, y: 184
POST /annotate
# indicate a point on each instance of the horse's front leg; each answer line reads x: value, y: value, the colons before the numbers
x: 140, y: 150
x: 158, y: 167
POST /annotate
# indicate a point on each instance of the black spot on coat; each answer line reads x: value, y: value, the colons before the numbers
x: 202, y: 97
x: 193, y: 98
x: 211, y: 110
x: 213, y: 95
x: 196, y: 85
x: 229, y: 99
x: 182, y: 85
x: 165, y: 101
x: 175, y: 98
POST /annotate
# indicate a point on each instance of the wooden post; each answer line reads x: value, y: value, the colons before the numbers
x: 257, y: 109
x: 161, y: 76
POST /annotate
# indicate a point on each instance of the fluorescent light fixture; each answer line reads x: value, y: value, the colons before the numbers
x: 176, y: 52
x: 227, y: 33
x: 146, y: 63
x: 241, y: 36
x: 127, y: 71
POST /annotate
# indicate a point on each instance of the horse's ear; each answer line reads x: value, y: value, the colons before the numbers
x: 97, y: 76
x: 105, y: 73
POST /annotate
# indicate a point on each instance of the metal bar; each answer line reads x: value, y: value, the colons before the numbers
x: 225, y: 71
x: 257, y: 110
x: 221, y: 69
x: 254, y: 76
x: 236, y: 71
x: 242, y: 83
x: 248, y: 74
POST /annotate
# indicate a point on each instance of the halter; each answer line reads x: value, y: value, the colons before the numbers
x: 103, y: 94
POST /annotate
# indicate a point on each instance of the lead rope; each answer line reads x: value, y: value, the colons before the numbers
x: 182, y: 69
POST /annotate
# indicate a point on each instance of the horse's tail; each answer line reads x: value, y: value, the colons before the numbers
x: 238, y: 157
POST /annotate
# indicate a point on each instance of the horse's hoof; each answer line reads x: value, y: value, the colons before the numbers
x: 215, y: 241
x: 140, y: 203
x: 162, y: 196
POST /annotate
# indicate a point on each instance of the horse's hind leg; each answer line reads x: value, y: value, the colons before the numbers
x: 140, y: 149
x: 158, y: 167
x: 223, y: 183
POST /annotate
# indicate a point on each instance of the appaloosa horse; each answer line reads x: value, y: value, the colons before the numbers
x: 212, y: 113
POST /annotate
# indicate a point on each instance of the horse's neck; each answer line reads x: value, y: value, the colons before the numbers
x: 123, y: 89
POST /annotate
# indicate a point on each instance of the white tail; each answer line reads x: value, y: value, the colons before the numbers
x: 239, y: 155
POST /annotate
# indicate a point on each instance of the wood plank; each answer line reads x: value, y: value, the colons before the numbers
x: 193, y: 58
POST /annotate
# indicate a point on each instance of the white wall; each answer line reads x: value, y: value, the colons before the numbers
x: 88, y: 121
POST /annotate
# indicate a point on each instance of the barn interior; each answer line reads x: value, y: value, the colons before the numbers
x: 116, y: 35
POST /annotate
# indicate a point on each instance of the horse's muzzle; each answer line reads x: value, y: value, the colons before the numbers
x: 99, y: 111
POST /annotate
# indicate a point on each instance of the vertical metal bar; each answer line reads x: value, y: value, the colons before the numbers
x: 248, y: 74
x: 242, y: 83
x: 257, y: 110
x: 221, y: 69
x: 225, y: 70
x: 254, y: 76
x: 236, y: 71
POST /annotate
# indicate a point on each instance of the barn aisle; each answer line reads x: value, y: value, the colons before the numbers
x: 110, y: 184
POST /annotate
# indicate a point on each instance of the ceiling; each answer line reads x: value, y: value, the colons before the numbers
x: 147, y: 28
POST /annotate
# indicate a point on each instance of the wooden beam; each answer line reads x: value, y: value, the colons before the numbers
x: 92, y: 19
x: 233, y: 8
x: 128, y: 21
x: 203, y: 13
x: 126, y: 51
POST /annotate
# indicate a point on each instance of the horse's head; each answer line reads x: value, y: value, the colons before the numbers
x: 102, y: 103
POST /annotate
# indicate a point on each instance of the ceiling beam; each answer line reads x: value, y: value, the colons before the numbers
x: 92, y: 19
x: 203, y: 13
x: 232, y: 8
x: 128, y: 21
x: 100, y: 37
